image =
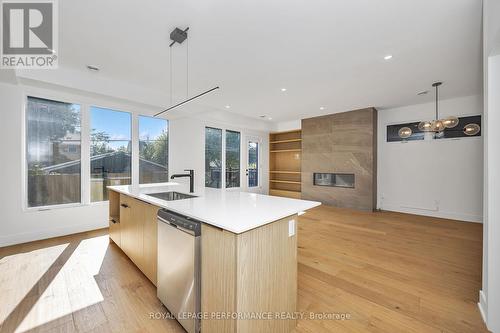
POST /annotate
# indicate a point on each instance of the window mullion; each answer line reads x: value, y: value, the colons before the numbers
x: 135, y: 150
x: 223, y: 160
x: 85, y: 154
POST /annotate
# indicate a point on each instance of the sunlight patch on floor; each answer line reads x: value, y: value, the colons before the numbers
x: 64, y: 287
x: 19, y: 273
x: 90, y: 253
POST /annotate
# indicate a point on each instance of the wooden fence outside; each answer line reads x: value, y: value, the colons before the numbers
x: 58, y: 189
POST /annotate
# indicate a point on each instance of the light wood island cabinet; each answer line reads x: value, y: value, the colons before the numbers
x: 243, y: 275
x: 134, y: 230
x: 249, y: 274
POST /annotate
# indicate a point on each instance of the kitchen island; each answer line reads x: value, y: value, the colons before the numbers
x: 248, y: 251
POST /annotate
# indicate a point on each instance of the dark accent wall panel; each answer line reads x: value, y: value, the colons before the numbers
x: 341, y: 143
x: 456, y: 132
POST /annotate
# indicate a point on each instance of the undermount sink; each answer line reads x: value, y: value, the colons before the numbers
x: 171, y: 195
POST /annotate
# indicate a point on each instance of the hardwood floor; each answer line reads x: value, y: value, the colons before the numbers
x: 77, y: 283
x: 391, y: 272
x: 388, y: 272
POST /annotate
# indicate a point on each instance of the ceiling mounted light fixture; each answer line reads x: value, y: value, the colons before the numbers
x: 283, y: 89
x: 438, y: 125
x: 179, y: 36
x: 93, y: 68
x: 388, y: 57
x: 471, y: 129
x: 405, y: 132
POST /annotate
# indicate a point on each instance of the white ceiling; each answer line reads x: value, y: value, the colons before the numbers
x: 325, y: 52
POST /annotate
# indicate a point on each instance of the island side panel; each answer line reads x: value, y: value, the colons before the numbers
x: 114, y: 217
x: 267, y: 275
x: 218, y: 278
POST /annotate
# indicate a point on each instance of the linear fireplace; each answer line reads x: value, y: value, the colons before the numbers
x: 334, y: 179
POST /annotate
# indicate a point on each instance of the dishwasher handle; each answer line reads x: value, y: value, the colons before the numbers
x: 181, y: 222
x: 191, y: 232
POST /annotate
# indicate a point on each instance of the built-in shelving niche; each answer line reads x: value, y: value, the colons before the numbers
x: 285, y: 151
x: 114, y: 206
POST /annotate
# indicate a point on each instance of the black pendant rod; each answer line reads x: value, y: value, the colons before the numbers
x: 436, y: 85
x: 437, y: 111
x: 187, y: 100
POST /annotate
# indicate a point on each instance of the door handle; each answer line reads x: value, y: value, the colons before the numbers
x: 124, y: 205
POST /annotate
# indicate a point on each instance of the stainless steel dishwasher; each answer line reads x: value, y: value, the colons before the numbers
x: 179, y: 267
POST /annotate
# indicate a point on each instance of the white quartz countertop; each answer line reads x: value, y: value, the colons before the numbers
x: 230, y: 210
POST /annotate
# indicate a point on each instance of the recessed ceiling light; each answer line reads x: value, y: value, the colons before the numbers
x: 283, y: 89
x: 269, y: 118
x: 321, y: 108
x: 425, y: 92
x: 388, y: 57
x: 93, y: 68
x: 228, y: 106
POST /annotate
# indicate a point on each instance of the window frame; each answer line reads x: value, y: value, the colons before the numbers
x: 24, y: 156
x: 25, y: 166
x: 85, y: 104
x: 89, y: 129
x: 224, y: 147
x: 223, y: 155
x: 139, y: 152
x: 258, y: 141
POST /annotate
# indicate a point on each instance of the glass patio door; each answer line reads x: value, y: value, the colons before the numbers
x: 252, y: 168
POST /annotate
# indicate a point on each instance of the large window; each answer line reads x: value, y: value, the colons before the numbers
x: 153, y: 150
x: 232, y: 159
x: 213, y: 157
x: 110, y: 151
x: 52, y: 152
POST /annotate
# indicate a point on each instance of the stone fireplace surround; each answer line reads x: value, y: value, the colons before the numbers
x: 343, y: 143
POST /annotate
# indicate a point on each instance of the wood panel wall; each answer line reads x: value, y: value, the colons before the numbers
x: 341, y: 143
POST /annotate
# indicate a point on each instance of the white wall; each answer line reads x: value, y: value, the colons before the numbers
x: 441, y: 178
x: 187, y: 147
x: 489, y: 296
x: 288, y: 125
x: 491, y: 285
x: 18, y: 225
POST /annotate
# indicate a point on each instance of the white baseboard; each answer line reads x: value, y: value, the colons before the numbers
x: 56, y: 232
x: 426, y: 212
x: 482, y: 305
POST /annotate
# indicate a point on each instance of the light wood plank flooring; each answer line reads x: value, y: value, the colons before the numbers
x: 391, y: 272
x: 388, y: 272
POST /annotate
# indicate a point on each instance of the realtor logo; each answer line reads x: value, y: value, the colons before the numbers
x: 29, y: 34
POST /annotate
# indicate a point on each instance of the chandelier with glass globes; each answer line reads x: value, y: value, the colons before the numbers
x: 438, y: 125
